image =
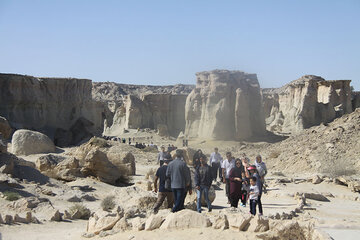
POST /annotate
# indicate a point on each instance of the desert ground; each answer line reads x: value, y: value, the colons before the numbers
x: 338, y: 216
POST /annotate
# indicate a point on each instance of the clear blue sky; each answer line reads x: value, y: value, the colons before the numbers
x: 167, y: 42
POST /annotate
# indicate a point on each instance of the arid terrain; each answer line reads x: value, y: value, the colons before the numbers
x: 65, y: 174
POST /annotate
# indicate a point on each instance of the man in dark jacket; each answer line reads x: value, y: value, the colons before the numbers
x: 179, y: 177
x: 163, y: 192
x: 203, y: 179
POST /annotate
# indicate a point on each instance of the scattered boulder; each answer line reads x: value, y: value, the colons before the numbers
x: 155, y: 220
x: 316, y: 179
x: 122, y: 225
x: 7, y: 163
x: 239, y: 221
x: 5, y: 128
x: 26, y: 142
x: 185, y: 219
x: 25, y: 203
x: 8, y: 219
x: 102, y: 222
x: 97, y: 164
x: 259, y: 224
x: 138, y: 223
x: 121, y: 158
x: 56, y: 216
x: 221, y: 222
x: 316, y: 196
x: 188, y: 154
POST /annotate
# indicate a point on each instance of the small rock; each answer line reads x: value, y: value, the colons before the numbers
x: 56, y: 217
x: 8, y: 219
x: 88, y: 235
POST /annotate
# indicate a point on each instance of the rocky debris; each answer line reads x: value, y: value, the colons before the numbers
x: 97, y: 164
x: 259, y: 224
x: 353, y: 184
x: 225, y: 105
x: 58, y: 167
x: 56, y: 216
x: 122, y: 225
x: 102, y: 221
x: 316, y: 179
x: 137, y: 223
x: 316, y: 196
x: 7, y: 163
x: 306, y: 152
x: 185, y: 219
x: 155, y: 220
x: 221, y: 222
x: 305, y: 102
x: 292, y: 230
x: 239, y: 221
x: 8, y: 219
x: 5, y: 128
x: 24, y: 204
x: 120, y: 159
x: 26, y: 142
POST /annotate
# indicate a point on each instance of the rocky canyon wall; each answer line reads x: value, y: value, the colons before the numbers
x: 305, y: 102
x: 49, y: 104
x: 225, y: 105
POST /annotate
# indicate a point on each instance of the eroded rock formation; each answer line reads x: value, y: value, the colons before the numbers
x: 48, y: 104
x: 305, y: 102
x: 225, y: 105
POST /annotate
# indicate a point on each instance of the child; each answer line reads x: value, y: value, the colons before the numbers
x: 245, y: 189
x: 254, y: 194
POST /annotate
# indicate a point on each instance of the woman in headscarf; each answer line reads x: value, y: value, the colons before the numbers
x: 235, y: 183
x: 196, y: 158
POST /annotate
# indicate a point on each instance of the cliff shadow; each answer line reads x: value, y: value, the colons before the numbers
x: 269, y: 137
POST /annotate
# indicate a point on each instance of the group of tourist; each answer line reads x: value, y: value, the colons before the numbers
x: 243, y: 182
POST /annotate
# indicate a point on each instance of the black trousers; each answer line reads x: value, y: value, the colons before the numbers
x: 243, y: 196
x: 253, y: 204
x: 214, y: 170
x: 234, y: 200
x: 227, y: 188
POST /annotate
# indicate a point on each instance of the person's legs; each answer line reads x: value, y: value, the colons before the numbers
x: 260, y: 204
x: 183, y: 199
x: 170, y: 199
x: 253, y: 207
x: 214, y: 170
x: 243, y: 197
x: 177, y: 199
x: 228, y: 189
x: 198, y: 199
x: 220, y: 173
x: 160, y: 200
x: 206, y: 193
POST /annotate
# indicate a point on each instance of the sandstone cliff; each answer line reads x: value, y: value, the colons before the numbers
x: 305, y: 102
x: 48, y: 104
x: 225, y: 105
x: 355, y: 100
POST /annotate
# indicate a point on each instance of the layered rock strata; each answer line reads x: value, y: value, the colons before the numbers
x: 48, y: 104
x: 305, y: 102
x: 225, y: 105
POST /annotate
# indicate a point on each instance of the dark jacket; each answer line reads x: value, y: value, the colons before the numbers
x: 178, y: 174
x: 203, y: 176
x: 235, y: 186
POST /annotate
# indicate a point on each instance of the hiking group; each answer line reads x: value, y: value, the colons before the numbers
x: 243, y: 182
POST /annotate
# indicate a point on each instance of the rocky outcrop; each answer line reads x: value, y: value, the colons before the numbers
x: 305, y: 102
x: 48, y: 104
x: 225, y: 105
x: 26, y: 142
x: 5, y: 128
x: 355, y: 100
x: 154, y: 111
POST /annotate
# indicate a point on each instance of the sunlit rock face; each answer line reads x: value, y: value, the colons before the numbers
x: 225, y: 105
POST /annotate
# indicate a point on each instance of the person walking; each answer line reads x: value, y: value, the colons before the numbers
x: 235, y: 178
x: 161, y: 156
x: 164, y: 190
x: 261, y: 169
x: 215, y: 161
x: 196, y: 158
x: 255, y: 174
x: 254, y: 196
x: 203, y: 181
x: 179, y: 177
x: 228, y: 164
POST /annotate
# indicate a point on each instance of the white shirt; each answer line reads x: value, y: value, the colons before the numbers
x: 215, y: 158
x: 255, y: 190
x: 228, y: 166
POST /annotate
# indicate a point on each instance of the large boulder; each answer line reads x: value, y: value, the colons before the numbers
x: 98, y: 165
x: 7, y: 163
x: 225, y: 105
x: 185, y: 219
x: 121, y: 159
x: 62, y: 168
x: 135, y: 198
x: 188, y: 154
x: 5, y: 128
x: 102, y: 222
x: 26, y: 142
x: 239, y: 221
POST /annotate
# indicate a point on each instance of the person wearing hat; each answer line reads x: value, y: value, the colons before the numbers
x: 259, y: 184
